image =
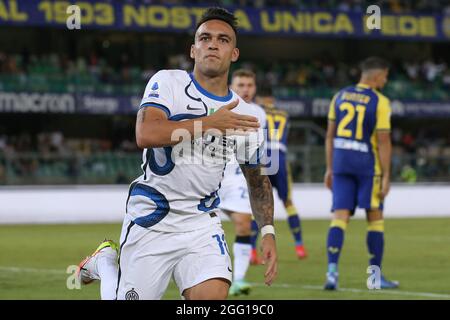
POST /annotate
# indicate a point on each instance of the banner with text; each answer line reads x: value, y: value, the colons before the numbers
x: 120, y: 15
x: 33, y: 102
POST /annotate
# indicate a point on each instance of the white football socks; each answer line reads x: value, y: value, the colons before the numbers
x: 108, y: 271
x: 241, y: 253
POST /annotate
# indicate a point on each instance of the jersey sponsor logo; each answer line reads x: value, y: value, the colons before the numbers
x: 190, y: 108
x: 350, y: 145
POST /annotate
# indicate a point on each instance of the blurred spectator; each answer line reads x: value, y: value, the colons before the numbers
x: 408, y: 174
x: 432, y: 70
x: 319, y: 77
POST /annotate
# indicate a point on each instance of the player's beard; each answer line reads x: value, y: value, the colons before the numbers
x: 213, y: 70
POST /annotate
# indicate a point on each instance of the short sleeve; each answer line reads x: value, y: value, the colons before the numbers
x: 332, y: 109
x: 159, y: 93
x: 383, y: 114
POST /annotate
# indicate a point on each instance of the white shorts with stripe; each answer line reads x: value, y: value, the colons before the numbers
x: 149, y: 259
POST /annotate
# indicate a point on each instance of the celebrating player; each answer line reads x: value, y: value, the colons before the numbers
x: 277, y: 129
x: 358, y: 155
x: 171, y: 228
x: 234, y: 192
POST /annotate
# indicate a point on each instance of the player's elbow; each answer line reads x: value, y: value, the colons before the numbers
x: 141, y: 143
x: 330, y: 131
x: 384, y: 145
x: 329, y: 139
x: 384, y: 139
x: 150, y: 139
x: 145, y: 141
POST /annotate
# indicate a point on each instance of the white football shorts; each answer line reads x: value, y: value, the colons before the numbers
x: 149, y: 259
x: 234, y: 198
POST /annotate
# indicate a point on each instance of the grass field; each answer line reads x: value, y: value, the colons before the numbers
x: 34, y: 259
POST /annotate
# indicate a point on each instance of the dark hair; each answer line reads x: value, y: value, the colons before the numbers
x: 372, y: 63
x: 243, y: 73
x: 217, y: 13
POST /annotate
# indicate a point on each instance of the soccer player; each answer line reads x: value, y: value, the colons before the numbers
x: 358, y: 155
x: 277, y: 129
x: 234, y: 192
x: 171, y: 227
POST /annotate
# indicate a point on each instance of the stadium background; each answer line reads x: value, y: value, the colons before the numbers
x: 68, y: 100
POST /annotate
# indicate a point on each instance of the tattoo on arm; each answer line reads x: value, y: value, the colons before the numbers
x: 141, y: 115
x: 261, y: 196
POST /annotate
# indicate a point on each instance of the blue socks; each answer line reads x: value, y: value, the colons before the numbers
x: 375, y: 242
x: 334, y: 243
x: 294, y: 225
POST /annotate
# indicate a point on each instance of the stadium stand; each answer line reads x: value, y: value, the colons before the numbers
x: 110, y: 69
x: 290, y: 79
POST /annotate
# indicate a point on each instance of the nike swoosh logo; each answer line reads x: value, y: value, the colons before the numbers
x: 229, y: 269
x: 189, y: 108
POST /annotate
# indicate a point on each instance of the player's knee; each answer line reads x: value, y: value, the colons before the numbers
x: 220, y: 294
x: 374, y: 215
x: 215, y: 289
x: 342, y: 215
x: 243, y: 225
x: 243, y: 231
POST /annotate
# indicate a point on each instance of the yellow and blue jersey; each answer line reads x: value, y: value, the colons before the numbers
x: 359, y: 111
x: 277, y: 128
x: 277, y: 124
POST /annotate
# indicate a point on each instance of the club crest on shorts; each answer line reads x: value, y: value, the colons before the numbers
x: 131, y: 295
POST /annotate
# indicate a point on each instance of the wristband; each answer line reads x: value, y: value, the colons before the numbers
x: 267, y: 229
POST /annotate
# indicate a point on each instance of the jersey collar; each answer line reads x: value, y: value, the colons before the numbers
x: 209, y: 94
x: 362, y: 85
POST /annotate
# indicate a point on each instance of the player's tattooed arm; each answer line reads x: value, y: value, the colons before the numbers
x: 260, y: 193
x: 261, y: 200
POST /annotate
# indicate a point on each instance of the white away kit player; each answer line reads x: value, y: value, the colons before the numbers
x: 171, y: 228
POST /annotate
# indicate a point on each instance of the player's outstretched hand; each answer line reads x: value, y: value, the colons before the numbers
x: 225, y: 119
x: 269, y: 258
x: 328, y: 179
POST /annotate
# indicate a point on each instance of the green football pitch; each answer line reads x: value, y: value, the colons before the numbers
x: 34, y: 260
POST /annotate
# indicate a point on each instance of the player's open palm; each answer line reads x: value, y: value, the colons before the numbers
x: 269, y: 258
x: 225, y: 119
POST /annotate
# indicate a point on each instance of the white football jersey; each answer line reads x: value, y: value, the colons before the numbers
x: 178, y: 190
x: 233, y: 177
